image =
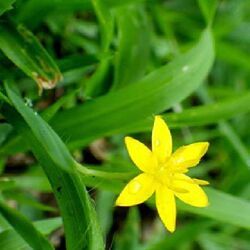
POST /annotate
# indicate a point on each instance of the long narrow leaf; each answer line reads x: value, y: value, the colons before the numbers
x: 68, y: 188
x: 6, y: 5
x: 153, y: 94
x: 25, y: 228
x: 24, y: 50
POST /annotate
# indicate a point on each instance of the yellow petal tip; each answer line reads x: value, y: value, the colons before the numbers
x: 118, y: 204
x: 171, y: 230
x: 127, y: 139
x: 159, y: 118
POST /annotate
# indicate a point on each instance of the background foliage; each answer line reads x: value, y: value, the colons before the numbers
x: 77, y: 76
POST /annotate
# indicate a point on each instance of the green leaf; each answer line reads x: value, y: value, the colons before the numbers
x: 201, y: 115
x: 104, y: 209
x: 24, y: 50
x: 26, y: 199
x: 129, y: 237
x: 106, y: 21
x: 5, y: 130
x: 96, y: 85
x: 153, y: 94
x: 24, y: 228
x: 133, y: 45
x: 6, y: 5
x: 27, y: 14
x: 182, y: 235
x: 236, y: 142
x: 49, y: 225
x: 47, y: 138
x: 117, y: 3
x: 10, y: 239
x: 60, y: 169
x: 208, y: 8
x: 237, y: 56
x: 6, y: 183
x: 223, y: 207
x: 195, y: 116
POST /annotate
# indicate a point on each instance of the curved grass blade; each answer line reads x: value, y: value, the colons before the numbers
x: 6, y: 5
x: 196, y: 116
x: 10, y: 239
x: 200, y: 115
x: 153, y: 94
x: 208, y: 9
x: 81, y: 228
x: 118, y: 111
x: 133, y: 45
x: 96, y: 85
x: 129, y: 237
x: 184, y: 234
x: 223, y: 207
x: 25, y: 228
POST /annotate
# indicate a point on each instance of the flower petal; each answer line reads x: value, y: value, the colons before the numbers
x: 137, y: 190
x: 166, y: 206
x: 189, y: 156
x: 142, y: 157
x: 161, y: 139
x: 195, y: 195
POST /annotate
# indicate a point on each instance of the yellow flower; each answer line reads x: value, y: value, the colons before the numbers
x: 164, y: 174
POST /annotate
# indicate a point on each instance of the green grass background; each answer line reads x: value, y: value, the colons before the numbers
x: 77, y: 76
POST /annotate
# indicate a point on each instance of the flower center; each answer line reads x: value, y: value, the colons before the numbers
x: 165, y: 174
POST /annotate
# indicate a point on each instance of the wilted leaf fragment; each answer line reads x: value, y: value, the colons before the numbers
x: 25, y: 51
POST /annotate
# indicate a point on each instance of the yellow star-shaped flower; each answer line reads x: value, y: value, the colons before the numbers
x: 164, y: 174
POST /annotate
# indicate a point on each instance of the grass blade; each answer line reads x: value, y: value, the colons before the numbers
x: 25, y: 228
x: 153, y: 94
x: 6, y: 5
x: 68, y: 188
x: 224, y: 207
x: 24, y: 50
x: 133, y: 45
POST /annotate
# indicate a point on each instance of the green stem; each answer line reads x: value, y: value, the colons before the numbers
x: 103, y: 174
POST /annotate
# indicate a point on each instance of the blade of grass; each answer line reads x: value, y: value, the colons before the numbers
x: 129, y: 237
x: 24, y: 50
x: 10, y: 239
x: 27, y: 13
x: 25, y: 228
x: 133, y: 45
x: 200, y: 115
x: 223, y: 207
x: 181, y: 236
x: 115, y: 112
x: 153, y: 94
x: 68, y: 188
x: 96, y: 85
x: 195, y: 116
x: 6, y: 5
x: 208, y: 9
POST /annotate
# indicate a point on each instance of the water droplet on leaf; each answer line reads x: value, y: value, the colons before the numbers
x: 185, y: 68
